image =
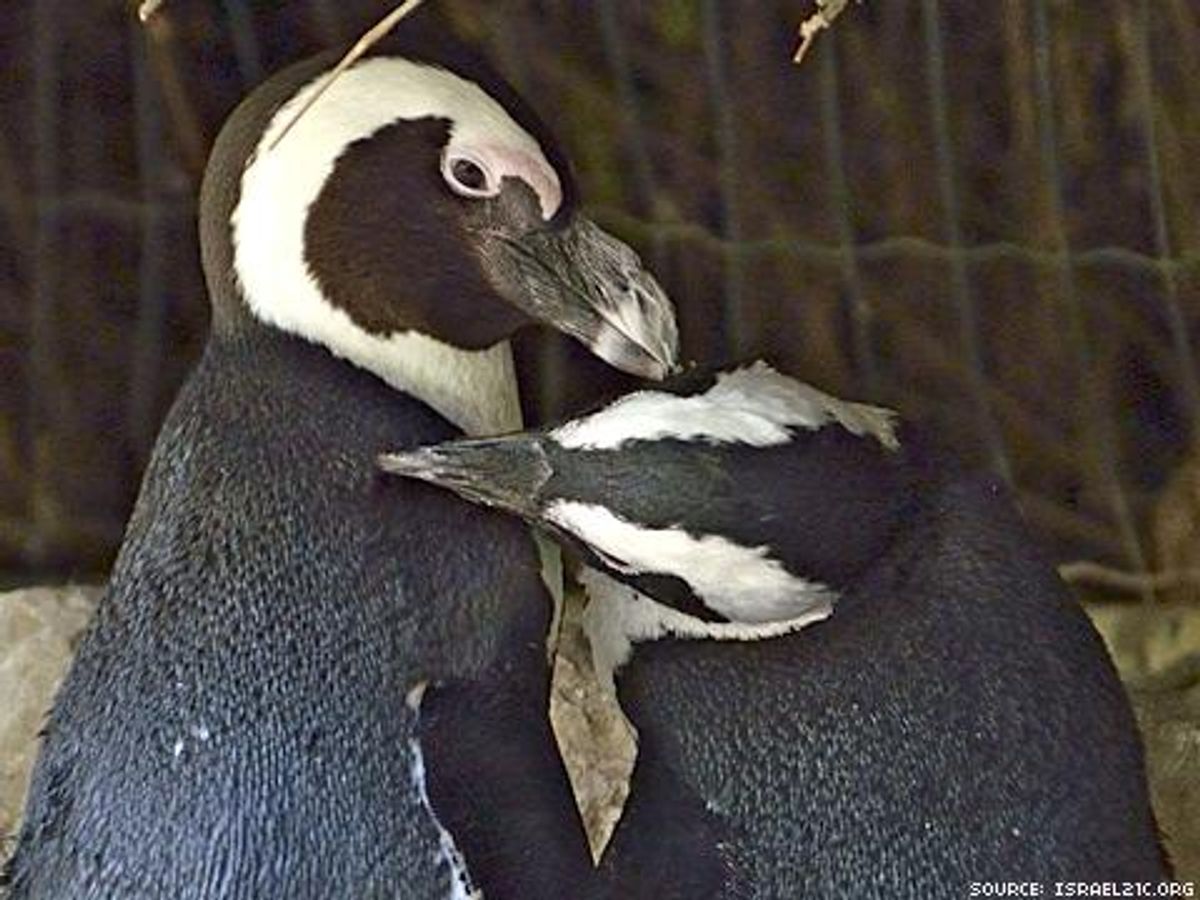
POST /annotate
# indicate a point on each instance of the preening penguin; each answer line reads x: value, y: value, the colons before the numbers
x: 955, y: 718
x: 697, y: 492
x: 305, y: 680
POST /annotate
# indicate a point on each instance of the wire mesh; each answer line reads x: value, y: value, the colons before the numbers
x: 983, y: 215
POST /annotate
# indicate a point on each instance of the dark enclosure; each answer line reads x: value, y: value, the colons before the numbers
x: 986, y: 215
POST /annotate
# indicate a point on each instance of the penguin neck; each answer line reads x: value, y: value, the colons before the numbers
x: 475, y: 389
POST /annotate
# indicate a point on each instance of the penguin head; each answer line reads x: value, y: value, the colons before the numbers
x: 416, y: 205
x: 745, y: 497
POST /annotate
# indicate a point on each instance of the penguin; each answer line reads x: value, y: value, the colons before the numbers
x: 851, y: 672
x: 305, y: 680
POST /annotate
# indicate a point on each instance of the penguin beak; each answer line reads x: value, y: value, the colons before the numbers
x: 586, y: 283
x: 507, y: 473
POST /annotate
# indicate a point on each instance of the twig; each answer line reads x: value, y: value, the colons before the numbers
x: 148, y: 8
x: 827, y: 11
x: 1099, y: 575
x: 376, y: 33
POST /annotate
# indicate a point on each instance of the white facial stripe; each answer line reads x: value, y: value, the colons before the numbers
x: 381, y: 91
x: 617, y: 616
x: 279, y: 187
x: 755, y: 405
x: 743, y: 584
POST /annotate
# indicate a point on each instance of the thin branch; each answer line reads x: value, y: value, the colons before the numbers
x: 373, y: 36
x: 148, y: 8
x: 827, y: 12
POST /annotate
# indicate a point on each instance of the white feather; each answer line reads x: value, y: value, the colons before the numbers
x: 461, y: 885
x: 743, y: 584
x: 617, y: 616
x: 755, y: 405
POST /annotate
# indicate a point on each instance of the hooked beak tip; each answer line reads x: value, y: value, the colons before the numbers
x: 591, y: 286
x: 652, y: 361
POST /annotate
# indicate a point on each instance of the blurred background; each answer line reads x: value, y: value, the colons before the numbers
x: 986, y: 215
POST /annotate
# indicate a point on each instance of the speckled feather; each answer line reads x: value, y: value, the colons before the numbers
x: 240, y: 696
x: 957, y: 719
x: 235, y: 724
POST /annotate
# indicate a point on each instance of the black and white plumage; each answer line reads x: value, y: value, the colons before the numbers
x: 305, y: 680
x: 692, y: 493
x: 955, y: 718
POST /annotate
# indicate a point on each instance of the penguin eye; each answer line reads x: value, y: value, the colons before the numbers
x: 468, y: 177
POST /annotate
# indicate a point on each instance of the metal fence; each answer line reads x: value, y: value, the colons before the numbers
x: 985, y: 215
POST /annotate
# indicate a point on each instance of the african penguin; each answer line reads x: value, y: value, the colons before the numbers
x: 949, y: 717
x: 305, y: 680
